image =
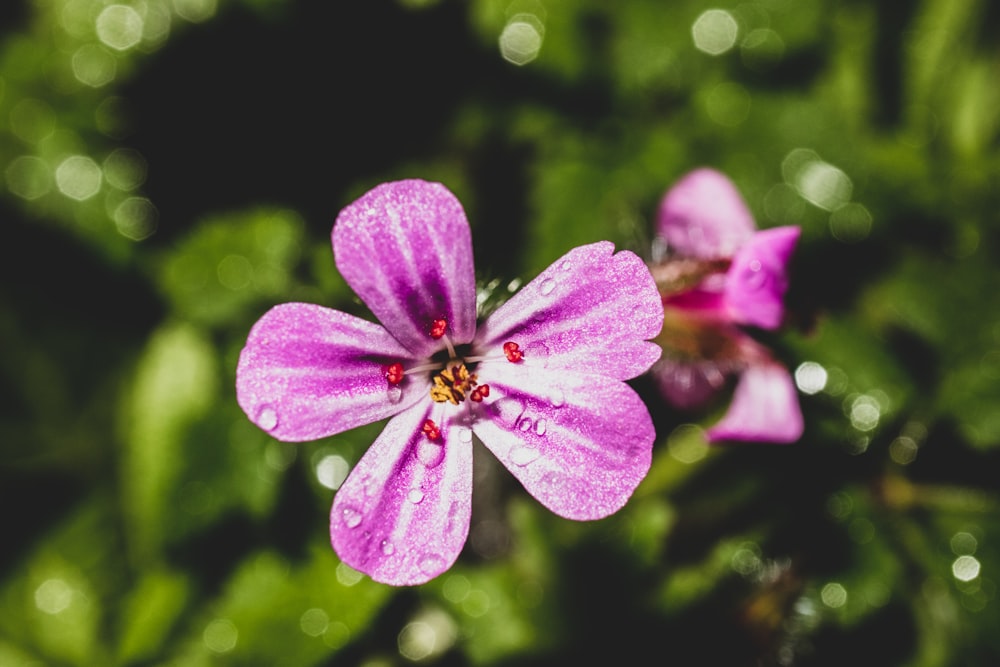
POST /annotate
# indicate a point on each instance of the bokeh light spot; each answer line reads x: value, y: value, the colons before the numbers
x: 428, y: 635
x: 477, y: 603
x: 220, y: 636
x: 235, y: 272
x: 456, y: 588
x: 195, y: 11
x: 824, y: 185
x: 120, y: 27
x: 93, y: 65
x: 347, y: 575
x: 965, y: 568
x: 53, y: 596
x: 833, y: 595
x: 29, y: 177
x: 865, y: 412
x: 903, y: 450
x: 337, y: 635
x: 136, y: 218
x: 521, y: 39
x: 761, y: 49
x: 851, y: 223
x: 314, y: 622
x: 714, y: 32
x: 125, y: 169
x: 332, y: 470
x: 32, y: 120
x: 964, y: 544
x: 810, y: 377
x: 728, y: 104
x: 687, y: 443
x: 78, y: 177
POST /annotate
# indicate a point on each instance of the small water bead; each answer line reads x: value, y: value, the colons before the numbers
x: 267, y: 418
x: 415, y: 496
x: 523, y: 455
x: 429, y: 453
x: 565, y: 265
x: 525, y: 424
x: 465, y: 434
x: 509, y: 410
x: 540, y: 427
x: 557, y: 398
x: 431, y: 564
x: 394, y: 394
x: 547, y: 286
x: 352, y: 517
x: 387, y: 548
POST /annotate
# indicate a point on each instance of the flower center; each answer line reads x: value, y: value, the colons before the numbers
x: 453, y: 382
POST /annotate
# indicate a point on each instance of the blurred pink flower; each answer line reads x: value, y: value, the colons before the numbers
x: 540, y: 382
x: 721, y: 273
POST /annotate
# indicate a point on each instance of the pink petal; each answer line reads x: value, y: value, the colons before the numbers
x: 592, y: 311
x: 307, y: 372
x: 402, y: 515
x: 580, y: 444
x: 688, y: 385
x: 703, y: 216
x: 765, y: 408
x: 406, y: 250
x: 758, y: 278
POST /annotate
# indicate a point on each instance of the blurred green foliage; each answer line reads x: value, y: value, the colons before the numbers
x: 171, y: 168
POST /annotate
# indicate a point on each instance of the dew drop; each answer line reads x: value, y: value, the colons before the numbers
x: 565, y: 265
x: 522, y: 456
x: 415, y: 496
x: 267, y: 418
x: 547, y: 286
x: 429, y: 453
x: 509, y: 410
x: 540, y: 427
x: 465, y: 434
x: 431, y: 564
x: 525, y: 424
x: 387, y: 548
x: 557, y: 398
x: 394, y: 394
x: 352, y: 517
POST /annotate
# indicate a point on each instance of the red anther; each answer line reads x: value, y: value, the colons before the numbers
x: 431, y: 430
x: 480, y: 392
x: 513, y: 352
x: 394, y: 373
x: 438, y: 328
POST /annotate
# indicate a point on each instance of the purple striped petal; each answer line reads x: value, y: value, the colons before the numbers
x: 406, y: 250
x: 703, y: 216
x: 758, y: 278
x: 402, y: 515
x: 592, y: 311
x: 580, y: 444
x: 765, y: 408
x: 308, y: 372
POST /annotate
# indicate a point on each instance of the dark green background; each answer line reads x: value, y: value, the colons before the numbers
x: 145, y: 521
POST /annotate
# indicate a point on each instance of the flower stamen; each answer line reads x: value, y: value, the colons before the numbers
x: 431, y: 430
x: 479, y: 393
x: 438, y: 327
x: 452, y: 384
x: 394, y: 373
x: 513, y: 352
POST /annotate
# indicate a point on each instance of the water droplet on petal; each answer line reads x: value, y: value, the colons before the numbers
x: 547, y: 286
x: 557, y: 398
x: 387, y: 548
x: 267, y: 418
x: 536, y: 351
x: 415, y: 496
x: 431, y: 564
x: 523, y: 455
x: 429, y: 453
x: 465, y: 434
x: 525, y: 424
x: 565, y: 265
x: 540, y: 427
x: 394, y: 394
x: 509, y: 410
x: 352, y: 517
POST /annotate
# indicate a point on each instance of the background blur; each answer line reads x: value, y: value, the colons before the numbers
x: 169, y: 169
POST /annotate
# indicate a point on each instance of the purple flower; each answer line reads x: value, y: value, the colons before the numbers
x: 540, y: 382
x: 721, y: 273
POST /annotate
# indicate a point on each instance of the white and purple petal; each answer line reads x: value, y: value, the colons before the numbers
x: 765, y: 407
x: 703, y: 216
x: 580, y: 444
x: 592, y: 311
x: 758, y: 278
x: 405, y: 249
x: 402, y: 515
x: 307, y: 372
